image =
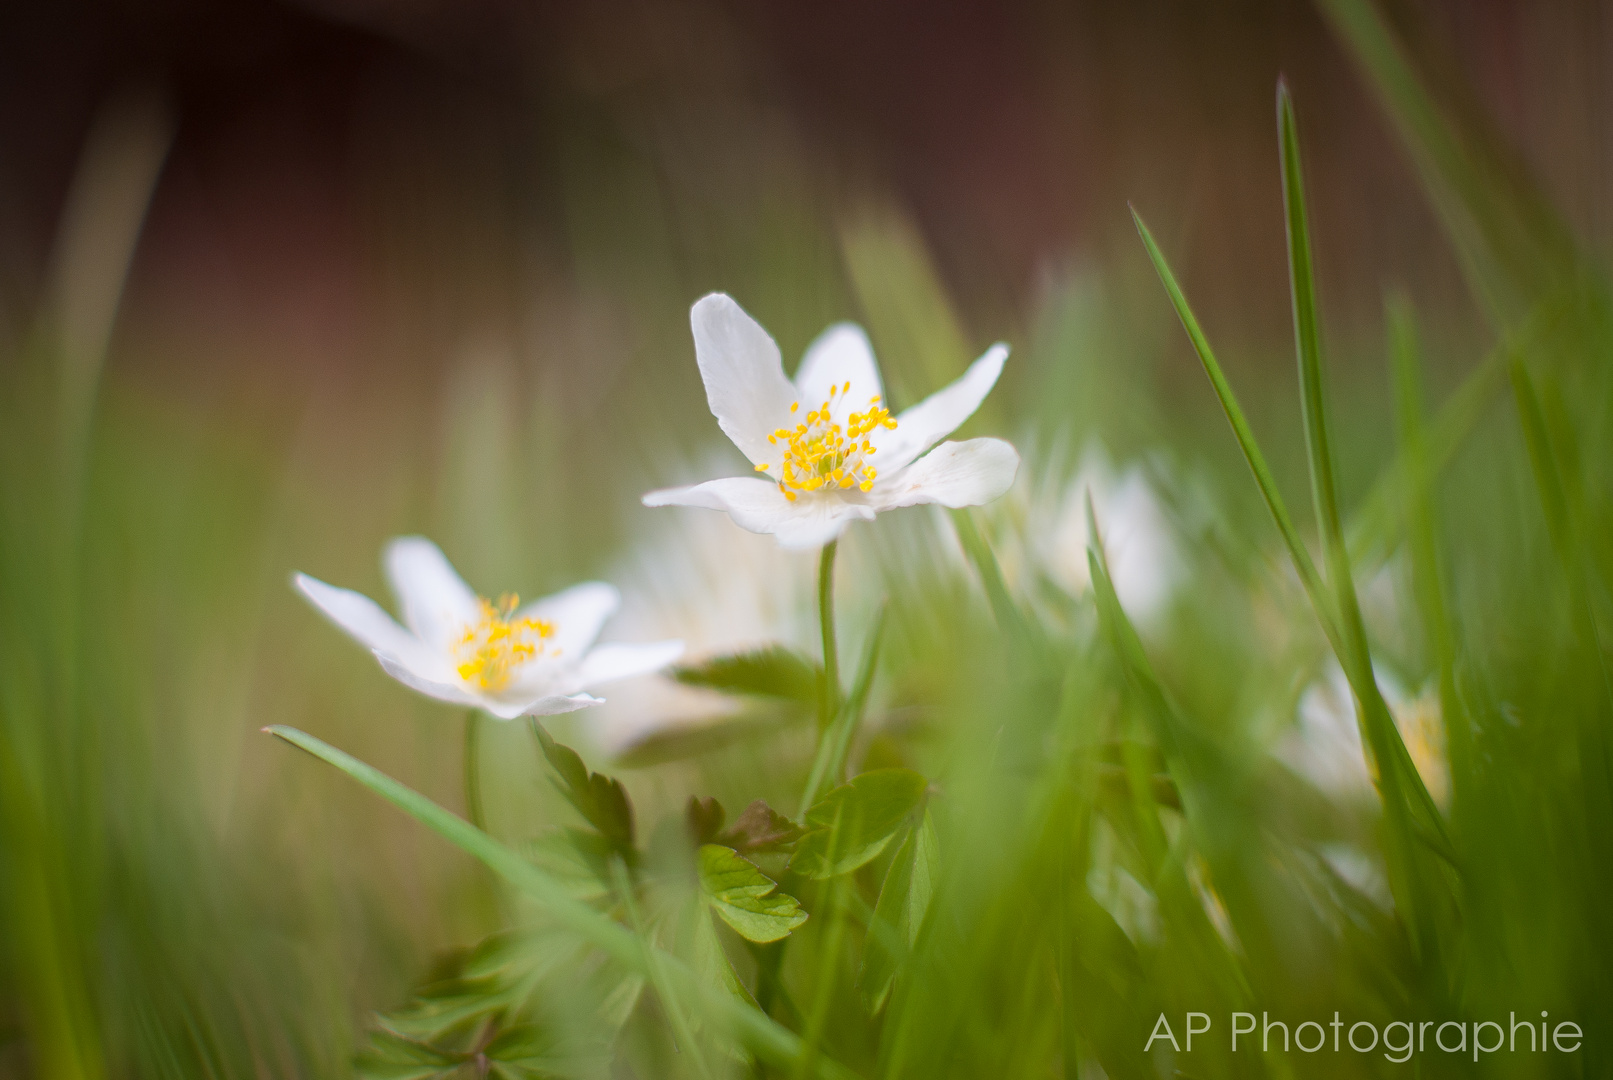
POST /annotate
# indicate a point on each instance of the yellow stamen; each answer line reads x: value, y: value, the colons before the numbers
x: 490, y: 651
x: 824, y: 452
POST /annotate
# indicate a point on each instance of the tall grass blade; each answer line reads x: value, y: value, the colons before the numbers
x: 1398, y: 777
x: 1308, y: 576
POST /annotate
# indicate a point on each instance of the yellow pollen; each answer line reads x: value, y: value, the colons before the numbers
x: 491, y: 650
x: 824, y: 452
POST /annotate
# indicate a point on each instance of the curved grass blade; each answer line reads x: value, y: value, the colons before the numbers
x: 763, y: 1036
x: 1245, y: 435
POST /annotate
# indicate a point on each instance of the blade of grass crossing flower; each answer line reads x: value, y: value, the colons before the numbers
x: 1245, y: 435
x: 760, y: 1034
x: 1397, y: 775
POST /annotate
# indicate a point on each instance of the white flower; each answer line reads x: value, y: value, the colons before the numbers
x: 507, y: 660
x: 831, y: 451
x: 1137, y: 537
x: 1325, y: 745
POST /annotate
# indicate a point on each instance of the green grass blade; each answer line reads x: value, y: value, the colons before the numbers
x: 1405, y: 354
x: 1003, y: 609
x: 1245, y: 435
x: 1397, y: 776
x: 762, y: 1035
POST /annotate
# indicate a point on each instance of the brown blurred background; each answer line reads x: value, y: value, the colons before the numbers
x: 357, y: 184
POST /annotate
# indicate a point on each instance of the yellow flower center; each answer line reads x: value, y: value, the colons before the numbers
x: 491, y: 650
x: 822, y: 452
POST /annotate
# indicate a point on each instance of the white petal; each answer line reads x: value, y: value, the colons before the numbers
x: 437, y: 604
x: 953, y: 474
x: 454, y: 693
x: 744, y: 376
x: 366, y: 622
x: 543, y: 706
x: 840, y: 355
x: 810, y: 521
x: 937, y: 416
x: 578, y: 613
x: 622, y: 661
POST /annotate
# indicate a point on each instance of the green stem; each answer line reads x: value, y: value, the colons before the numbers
x: 473, y: 773
x: 829, y: 697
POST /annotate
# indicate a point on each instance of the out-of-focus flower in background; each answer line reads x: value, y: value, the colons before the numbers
x: 832, y: 452
x: 508, y: 660
x: 719, y: 590
x: 1138, y: 538
x: 1325, y: 743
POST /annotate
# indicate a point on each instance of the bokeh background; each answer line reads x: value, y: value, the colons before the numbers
x: 335, y: 271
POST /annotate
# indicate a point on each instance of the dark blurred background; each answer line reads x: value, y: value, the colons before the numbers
x: 358, y: 185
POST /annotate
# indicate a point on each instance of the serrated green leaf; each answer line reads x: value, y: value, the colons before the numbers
x: 600, y: 799
x: 899, y: 913
x: 853, y: 823
x: 775, y: 672
x: 745, y: 897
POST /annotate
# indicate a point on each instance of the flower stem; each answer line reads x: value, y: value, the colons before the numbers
x: 829, y: 698
x: 473, y: 773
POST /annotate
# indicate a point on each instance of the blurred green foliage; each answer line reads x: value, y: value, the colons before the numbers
x: 1037, y: 821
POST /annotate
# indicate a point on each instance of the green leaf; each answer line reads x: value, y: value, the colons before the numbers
x: 600, y: 799
x: 745, y: 897
x: 775, y: 671
x: 899, y: 912
x: 853, y: 823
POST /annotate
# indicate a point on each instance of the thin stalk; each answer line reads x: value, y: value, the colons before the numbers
x: 829, y: 695
x: 473, y: 769
x: 829, y: 764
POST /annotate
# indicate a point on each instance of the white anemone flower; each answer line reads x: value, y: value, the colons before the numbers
x: 506, y: 659
x: 1138, y: 539
x: 831, y: 451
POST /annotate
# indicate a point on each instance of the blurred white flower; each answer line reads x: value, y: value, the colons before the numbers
x: 1137, y: 536
x: 832, y: 452
x: 1325, y: 745
x: 508, y: 660
x: 719, y: 590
